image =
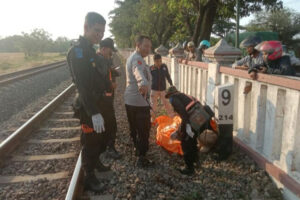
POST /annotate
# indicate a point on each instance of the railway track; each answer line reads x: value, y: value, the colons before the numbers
x: 38, y: 159
x: 8, y: 78
x: 42, y: 159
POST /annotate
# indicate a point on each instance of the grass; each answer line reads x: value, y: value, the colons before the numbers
x: 10, y: 62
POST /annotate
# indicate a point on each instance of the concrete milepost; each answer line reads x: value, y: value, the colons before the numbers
x: 224, y: 102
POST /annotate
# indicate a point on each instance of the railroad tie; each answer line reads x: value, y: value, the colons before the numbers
x: 74, y: 139
x: 75, y: 128
x: 44, y: 157
x: 16, y: 179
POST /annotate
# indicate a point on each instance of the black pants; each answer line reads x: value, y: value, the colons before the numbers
x: 190, y: 150
x: 189, y: 145
x: 112, y: 123
x: 139, y: 124
x: 93, y: 144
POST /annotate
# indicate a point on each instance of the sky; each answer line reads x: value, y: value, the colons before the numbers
x: 292, y: 4
x: 64, y: 17
x: 58, y: 17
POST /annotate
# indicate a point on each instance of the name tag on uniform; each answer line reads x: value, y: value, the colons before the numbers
x: 78, y: 52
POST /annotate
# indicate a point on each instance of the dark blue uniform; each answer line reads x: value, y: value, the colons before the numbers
x: 179, y: 101
x: 90, y: 75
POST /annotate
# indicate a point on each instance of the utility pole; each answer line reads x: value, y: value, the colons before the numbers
x: 237, y: 24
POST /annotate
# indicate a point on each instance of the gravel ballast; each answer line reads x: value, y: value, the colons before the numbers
x: 22, y: 99
x: 236, y: 178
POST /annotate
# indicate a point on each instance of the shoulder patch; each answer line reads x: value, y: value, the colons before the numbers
x: 139, y: 62
x: 171, y: 99
x: 78, y: 52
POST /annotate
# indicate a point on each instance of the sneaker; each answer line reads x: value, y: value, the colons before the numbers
x: 143, y: 162
x: 136, y: 151
x: 113, y: 153
x: 92, y: 183
x: 187, y: 171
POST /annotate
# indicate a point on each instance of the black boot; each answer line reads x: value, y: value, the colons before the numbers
x: 113, y: 153
x: 102, y: 168
x: 144, y: 162
x: 135, y: 148
x: 91, y: 183
x: 187, y: 171
x: 197, y: 162
x: 136, y: 151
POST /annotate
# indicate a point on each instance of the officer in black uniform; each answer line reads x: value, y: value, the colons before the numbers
x: 188, y: 136
x: 106, y: 50
x: 89, y: 73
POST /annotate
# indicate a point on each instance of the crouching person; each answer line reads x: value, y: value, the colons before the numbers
x: 195, y: 119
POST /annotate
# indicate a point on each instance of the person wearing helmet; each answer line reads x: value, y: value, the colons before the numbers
x: 194, y: 54
x: 254, y: 57
x: 204, y: 44
x: 274, y: 62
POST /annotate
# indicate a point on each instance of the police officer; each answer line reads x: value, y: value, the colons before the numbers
x: 106, y: 51
x: 89, y: 72
x: 138, y: 86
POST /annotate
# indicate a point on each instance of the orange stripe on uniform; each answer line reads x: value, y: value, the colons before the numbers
x: 110, y: 76
x: 214, y: 125
x: 86, y: 129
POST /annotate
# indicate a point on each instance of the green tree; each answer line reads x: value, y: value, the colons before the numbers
x: 156, y: 21
x: 173, y: 21
x: 285, y: 22
x: 35, y: 43
x: 61, y: 44
x: 123, y: 19
x: 11, y: 44
x: 148, y: 17
x: 198, y: 16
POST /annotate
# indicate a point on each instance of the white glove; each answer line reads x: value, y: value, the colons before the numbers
x: 98, y: 123
x: 189, y: 131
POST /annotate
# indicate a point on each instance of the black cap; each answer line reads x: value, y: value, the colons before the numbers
x: 170, y: 91
x: 107, y: 42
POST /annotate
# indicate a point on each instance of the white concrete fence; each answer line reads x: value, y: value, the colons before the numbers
x: 266, y: 120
